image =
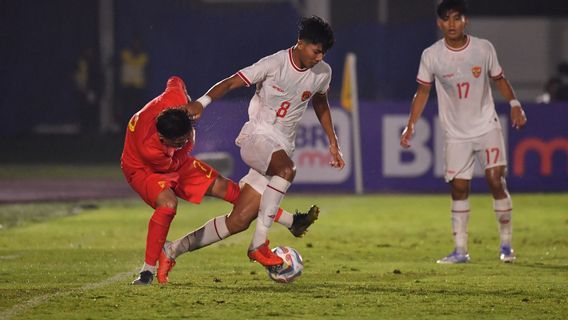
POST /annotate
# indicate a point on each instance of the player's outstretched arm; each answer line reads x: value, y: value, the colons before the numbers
x: 416, y: 108
x: 321, y: 108
x: 518, y: 117
x: 221, y: 88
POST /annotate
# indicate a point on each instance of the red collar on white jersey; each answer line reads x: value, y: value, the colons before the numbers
x: 468, y: 38
x: 292, y: 62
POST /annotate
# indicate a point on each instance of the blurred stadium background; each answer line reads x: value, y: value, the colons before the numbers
x: 205, y: 41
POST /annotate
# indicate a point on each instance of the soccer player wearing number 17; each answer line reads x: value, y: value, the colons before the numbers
x: 285, y: 82
x: 462, y: 66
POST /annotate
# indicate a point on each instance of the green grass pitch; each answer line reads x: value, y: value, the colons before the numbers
x: 367, y: 257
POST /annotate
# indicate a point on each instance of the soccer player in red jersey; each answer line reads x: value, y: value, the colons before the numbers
x: 157, y: 164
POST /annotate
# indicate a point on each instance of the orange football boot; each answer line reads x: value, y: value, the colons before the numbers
x: 165, y: 265
x: 265, y: 256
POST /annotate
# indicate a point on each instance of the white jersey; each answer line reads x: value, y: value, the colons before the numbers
x: 282, y: 94
x: 465, y: 102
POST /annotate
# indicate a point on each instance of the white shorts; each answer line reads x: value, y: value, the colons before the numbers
x: 256, y: 180
x: 460, y: 155
x: 257, y: 150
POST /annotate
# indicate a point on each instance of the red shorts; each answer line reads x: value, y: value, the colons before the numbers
x: 190, y: 182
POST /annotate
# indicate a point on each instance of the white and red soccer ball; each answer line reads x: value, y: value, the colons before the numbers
x: 292, y: 267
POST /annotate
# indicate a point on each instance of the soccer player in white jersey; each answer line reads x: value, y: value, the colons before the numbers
x: 462, y: 67
x: 285, y: 82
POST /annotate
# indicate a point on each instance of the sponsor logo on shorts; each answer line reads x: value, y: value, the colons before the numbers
x: 162, y: 184
x: 476, y: 71
x: 278, y: 88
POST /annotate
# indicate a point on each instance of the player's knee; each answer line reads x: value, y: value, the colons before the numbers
x: 287, y: 172
x: 167, y: 201
x: 237, y: 222
x: 460, y: 191
x: 494, y: 183
x: 498, y: 186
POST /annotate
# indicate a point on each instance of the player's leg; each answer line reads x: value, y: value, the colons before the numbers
x: 219, y: 228
x: 297, y: 223
x: 158, y: 227
x: 244, y: 212
x: 225, y: 189
x: 240, y: 218
x: 156, y: 191
x: 254, y: 185
x: 494, y: 159
x: 459, y: 171
x: 282, y: 171
x: 268, y: 156
x: 195, y: 179
x: 503, y: 206
x: 460, y: 189
x: 229, y: 191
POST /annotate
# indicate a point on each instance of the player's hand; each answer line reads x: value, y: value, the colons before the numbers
x: 194, y: 109
x: 337, y: 157
x: 518, y: 117
x: 406, y: 136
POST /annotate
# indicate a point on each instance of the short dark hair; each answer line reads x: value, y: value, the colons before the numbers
x: 316, y: 30
x: 445, y: 6
x: 173, y: 123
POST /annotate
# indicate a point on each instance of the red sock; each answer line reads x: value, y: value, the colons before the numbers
x: 278, y: 214
x: 233, y: 192
x: 158, y: 228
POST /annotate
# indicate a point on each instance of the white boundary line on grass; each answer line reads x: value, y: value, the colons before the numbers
x: 34, y: 302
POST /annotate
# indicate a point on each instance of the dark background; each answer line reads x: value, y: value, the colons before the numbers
x: 203, y: 42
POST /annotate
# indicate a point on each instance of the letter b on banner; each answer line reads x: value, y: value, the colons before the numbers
x: 393, y: 164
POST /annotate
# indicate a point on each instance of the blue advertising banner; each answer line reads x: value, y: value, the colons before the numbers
x: 537, y: 154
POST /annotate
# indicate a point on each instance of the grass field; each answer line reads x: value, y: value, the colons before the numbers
x: 367, y: 257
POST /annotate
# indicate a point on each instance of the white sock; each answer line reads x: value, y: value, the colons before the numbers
x: 504, y: 212
x: 147, y: 267
x: 269, y: 205
x: 460, y: 219
x: 284, y: 217
x: 212, y: 231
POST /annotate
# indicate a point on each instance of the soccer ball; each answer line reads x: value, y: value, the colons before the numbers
x: 292, y: 267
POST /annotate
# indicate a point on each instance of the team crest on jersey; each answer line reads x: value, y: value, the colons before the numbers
x: 306, y: 95
x: 476, y: 71
x: 162, y: 184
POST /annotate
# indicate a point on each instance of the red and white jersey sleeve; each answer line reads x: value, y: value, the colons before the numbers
x: 463, y: 85
x: 283, y: 91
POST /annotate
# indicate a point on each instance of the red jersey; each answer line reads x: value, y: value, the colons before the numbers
x: 142, y: 146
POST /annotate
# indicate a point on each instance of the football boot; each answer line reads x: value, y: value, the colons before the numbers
x: 264, y: 256
x: 454, y: 258
x: 302, y: 221
x: 165, y: 265
x: 144, y: 278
